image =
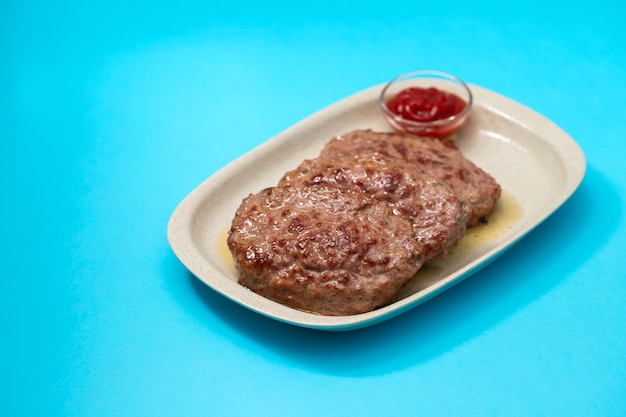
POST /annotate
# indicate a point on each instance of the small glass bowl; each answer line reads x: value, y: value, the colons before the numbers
x: 439, y: 128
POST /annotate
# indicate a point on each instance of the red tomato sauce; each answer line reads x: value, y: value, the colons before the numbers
x: 425, y: 104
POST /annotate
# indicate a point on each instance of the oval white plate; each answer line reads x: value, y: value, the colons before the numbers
x: 537, y: 164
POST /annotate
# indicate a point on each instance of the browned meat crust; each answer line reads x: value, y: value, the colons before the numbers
x: 438, y: 159
x: 323, y: 249
x: 438, y: 215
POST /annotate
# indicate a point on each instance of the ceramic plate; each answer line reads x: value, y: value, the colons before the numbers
x: 537, y: 164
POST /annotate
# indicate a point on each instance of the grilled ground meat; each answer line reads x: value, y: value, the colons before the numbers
x: 342, y: 233
x: 323, y: 249
x: 442, y: 161
x: 438, y: 215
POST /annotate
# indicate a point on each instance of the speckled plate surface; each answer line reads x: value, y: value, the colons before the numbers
x: 537, y: 164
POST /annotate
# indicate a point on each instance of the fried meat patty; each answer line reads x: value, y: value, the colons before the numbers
x: 437, y: 213
x: 323, y: 249
x: 441, y: 160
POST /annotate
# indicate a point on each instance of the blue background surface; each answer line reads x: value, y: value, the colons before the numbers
x: 112, y: 111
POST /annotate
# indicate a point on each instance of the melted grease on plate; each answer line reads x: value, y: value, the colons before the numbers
x: 223, y: 252
x: 505, y: 213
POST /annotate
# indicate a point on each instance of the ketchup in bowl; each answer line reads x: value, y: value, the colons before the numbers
x: 425, y: 104
x: 412, y: 103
